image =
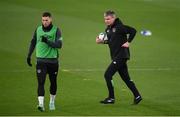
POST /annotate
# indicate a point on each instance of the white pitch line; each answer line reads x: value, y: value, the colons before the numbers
x: 154, y: 69
x: 94, y: 70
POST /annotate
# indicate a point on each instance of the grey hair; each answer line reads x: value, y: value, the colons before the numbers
x: 109, y: 13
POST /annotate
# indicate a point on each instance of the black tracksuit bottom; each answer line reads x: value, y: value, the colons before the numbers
x: 119, y: 66
x: 43, y: 68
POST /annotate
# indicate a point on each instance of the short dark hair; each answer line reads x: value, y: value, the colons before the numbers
x: 46, y: 14
x: 109, y: 13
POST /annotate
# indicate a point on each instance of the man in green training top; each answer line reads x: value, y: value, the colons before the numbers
x: 47, y: 40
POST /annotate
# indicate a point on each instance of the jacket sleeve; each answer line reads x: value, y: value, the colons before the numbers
x: 32, y: 45
x: 130, y: 31
x: 58, y: 40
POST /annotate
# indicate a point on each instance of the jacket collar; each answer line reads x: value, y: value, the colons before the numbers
x: 117, y: 21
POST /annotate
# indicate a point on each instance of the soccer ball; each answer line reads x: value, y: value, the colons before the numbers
x: 103, y: 36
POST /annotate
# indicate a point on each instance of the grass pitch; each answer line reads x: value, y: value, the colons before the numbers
x: 154, y: 64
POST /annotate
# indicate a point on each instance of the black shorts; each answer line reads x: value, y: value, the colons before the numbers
x: 43, y: 68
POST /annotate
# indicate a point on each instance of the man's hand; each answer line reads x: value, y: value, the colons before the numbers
x: 44, y: 39
x: 29, y: 61
x: 99, y: 41
x: 125, y: 45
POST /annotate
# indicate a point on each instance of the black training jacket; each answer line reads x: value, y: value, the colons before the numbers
x: 118, y: 34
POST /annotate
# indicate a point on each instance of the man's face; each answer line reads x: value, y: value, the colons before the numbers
x: 109, y: 20
x: 46, y: 21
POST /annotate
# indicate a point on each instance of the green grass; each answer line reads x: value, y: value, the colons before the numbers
x: 154, y: 65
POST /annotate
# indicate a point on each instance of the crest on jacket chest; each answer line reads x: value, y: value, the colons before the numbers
x: 113, y: 29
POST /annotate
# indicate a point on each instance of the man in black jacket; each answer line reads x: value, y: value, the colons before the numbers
x: 119, y: 37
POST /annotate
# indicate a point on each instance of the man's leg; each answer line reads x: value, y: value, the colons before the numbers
x: 123, y: 71
x: 111, y: 70
x: 53, y: 72
x: 41, y: 76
